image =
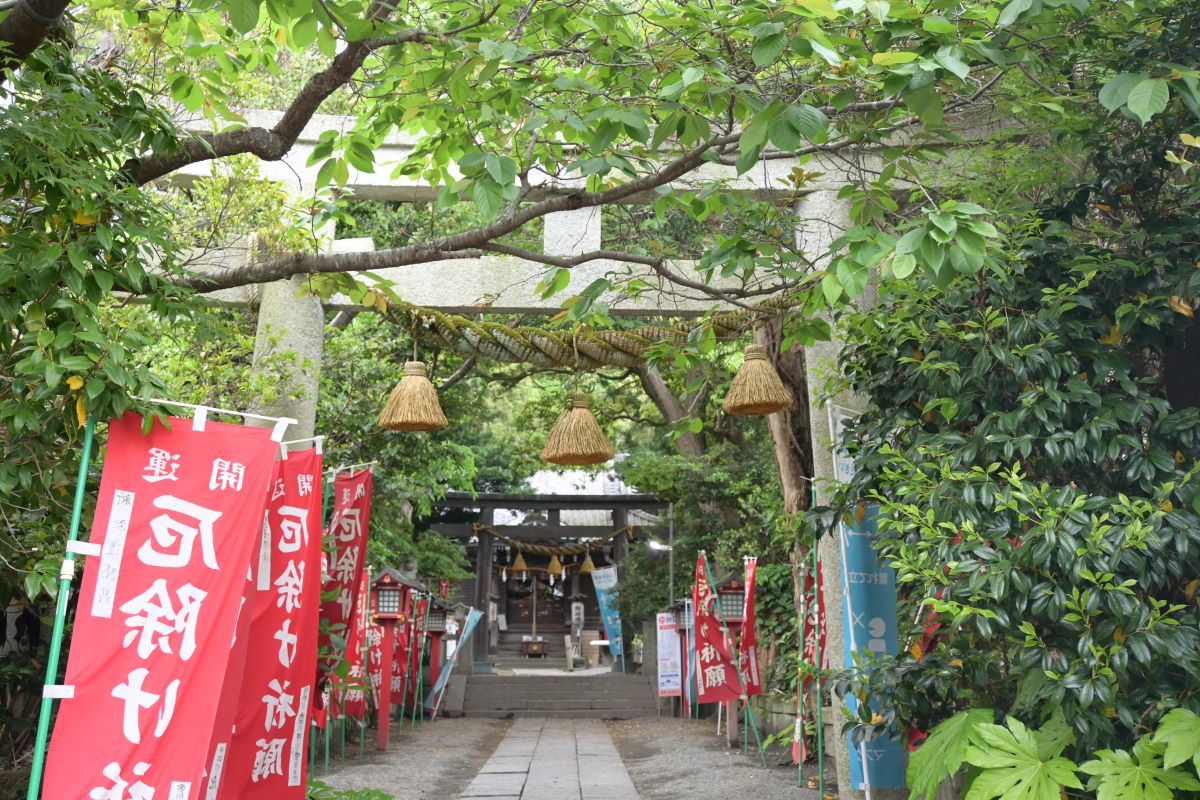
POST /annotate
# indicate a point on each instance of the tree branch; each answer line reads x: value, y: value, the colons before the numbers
x: 25, y: 27
x: 466, y: 244
x: 270, y: 144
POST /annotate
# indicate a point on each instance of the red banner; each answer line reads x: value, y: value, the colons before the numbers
x: 266, y: 758
x: 418, y: 640
x: 375, y: 661
x: 348, y: 531
x: 354, y: 698
x: 814, y: 640
x: 716, y: 676
x: 400, y: 654
x: 748, y: 643
x: 218, y: 748
x: 178, y: 516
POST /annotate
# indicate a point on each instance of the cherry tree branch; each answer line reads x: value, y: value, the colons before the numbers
x: 25, y: 27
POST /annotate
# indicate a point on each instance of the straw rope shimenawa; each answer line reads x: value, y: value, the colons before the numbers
x: 550, y: 550
x: 576, y: 438
x: 413, y: 404
x: 585, y: 349
x: 757, y: 389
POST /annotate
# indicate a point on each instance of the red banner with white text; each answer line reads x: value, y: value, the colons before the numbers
x: 400, y: 654
x: 420, y: 612
x: 354, y: 698
x: 748, y: 643
x: 814, y: 642
x: 716, y: 676
x: 348, y: 531
x: 177, y: 519
x: 266, y: 758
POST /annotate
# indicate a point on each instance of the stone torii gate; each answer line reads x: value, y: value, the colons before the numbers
x: 291, y: 321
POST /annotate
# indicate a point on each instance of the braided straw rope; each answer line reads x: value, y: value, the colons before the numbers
x: 562, y: 550
x: 578, y: 349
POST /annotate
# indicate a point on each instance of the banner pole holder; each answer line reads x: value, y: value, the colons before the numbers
x: 333, y: 471
x: 66, y: 575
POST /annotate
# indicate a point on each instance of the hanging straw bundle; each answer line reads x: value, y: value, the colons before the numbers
x: 587, y: 565
x: 757, y: 389
x: 519, y: 564
x: 576, y: 438
x: 413, y: 405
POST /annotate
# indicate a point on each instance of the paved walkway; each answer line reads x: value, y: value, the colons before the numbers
x: 554, y: 759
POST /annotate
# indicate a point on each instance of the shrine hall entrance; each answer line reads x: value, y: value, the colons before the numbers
x: 533, y: 556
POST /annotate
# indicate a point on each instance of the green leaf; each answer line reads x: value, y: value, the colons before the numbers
x: 1054, y: 736
x: 1180, y: 732
x: 304, y: 32
x: 937, y: 24
x: 1011, y: 11
x: 1148, y: 98
x: 910, y: 241
x: 950, y: 58
x: 879, y: 9
x: 243, y: 14
x: 1012, y: 768
x: 808, y: 120
x: 941, y: 755
x: 904, y: 264
x: 892, y: 57
x: 1115, y: 93
x: 768, y: 49
x: 1119, y: 775
x: 487, y: 196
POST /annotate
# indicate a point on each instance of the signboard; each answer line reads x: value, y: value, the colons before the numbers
x: 434, y: 700
x: 670, y: 665
x: 605, y: 580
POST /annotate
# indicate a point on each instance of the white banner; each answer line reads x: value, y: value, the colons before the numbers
x: 670, y: 665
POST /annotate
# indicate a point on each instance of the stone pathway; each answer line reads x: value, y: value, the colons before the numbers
x: 554, y: 759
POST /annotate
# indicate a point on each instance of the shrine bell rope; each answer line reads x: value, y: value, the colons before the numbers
x: 581, y: 349
x: 561, y: 550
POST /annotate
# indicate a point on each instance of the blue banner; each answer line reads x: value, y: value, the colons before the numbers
x: 869, y: 622
x: 607, y: 595
x: 435, y: 694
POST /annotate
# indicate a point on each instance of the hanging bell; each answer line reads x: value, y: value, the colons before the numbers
x: 555, y: 564
x: 587, y: 565
x: 413, y: 404
x: 519, y: 564
x: 757, y: 389
x: 576, y: 438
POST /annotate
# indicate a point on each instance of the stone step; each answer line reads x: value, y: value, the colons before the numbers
x: 582, y: 713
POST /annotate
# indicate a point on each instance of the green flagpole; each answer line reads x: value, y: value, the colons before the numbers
x: 65, y: 576
x: 816, y: 582
x: 736, y: 666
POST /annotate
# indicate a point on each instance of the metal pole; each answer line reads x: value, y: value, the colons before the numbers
x: 671, y: 552
x: 65, y: 576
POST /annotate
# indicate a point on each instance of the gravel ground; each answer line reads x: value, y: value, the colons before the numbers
x: 434, y: 762
x: 679, y: 759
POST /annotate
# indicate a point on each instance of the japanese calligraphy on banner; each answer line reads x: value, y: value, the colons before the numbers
x: 813, y: 634
x: 605, y: 581
x: 375, y: 661
x: 716, y: 676
x: 670, y: 678
x: 266, y: 757
x: 178, y: 517
x: 353, y: 690
x: 348, y: 532
x: 748, y: 643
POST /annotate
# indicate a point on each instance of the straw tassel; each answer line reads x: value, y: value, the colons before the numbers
x: 757, y: 389
x: 413, y: 405
x: 587, y: 565
x: 576, y: 438
x: 555, y: 566
x: 519, y: 564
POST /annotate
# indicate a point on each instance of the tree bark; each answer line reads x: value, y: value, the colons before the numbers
x: 688, y: 443
x: 26, y: 27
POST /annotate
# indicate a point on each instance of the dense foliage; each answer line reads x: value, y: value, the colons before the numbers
x: 1032, y: 438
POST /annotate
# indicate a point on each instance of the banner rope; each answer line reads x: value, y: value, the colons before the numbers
x: 548, y: 550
